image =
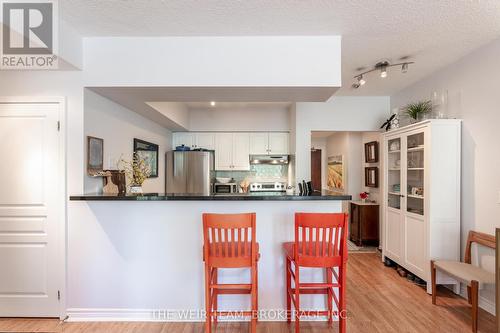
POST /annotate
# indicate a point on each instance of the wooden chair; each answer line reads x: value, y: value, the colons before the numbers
x: 229, y: 242
x: 475, y: 277
x: 320, y: 242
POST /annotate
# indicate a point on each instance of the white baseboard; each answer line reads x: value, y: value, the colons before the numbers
x: 153, y: 315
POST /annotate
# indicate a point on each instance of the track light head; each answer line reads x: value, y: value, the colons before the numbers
x: 361, y: 80
x: 404, y: 67
x: 383, y: 72
x: 355, y: 85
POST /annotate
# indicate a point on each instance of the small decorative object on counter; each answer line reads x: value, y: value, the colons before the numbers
x: 137, y: 171
x: 244, y: 185
x: 110, y: 187
x: 418, y: 111
x: 364, y: 196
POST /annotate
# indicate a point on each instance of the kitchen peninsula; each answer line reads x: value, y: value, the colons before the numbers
x: 145, y: 251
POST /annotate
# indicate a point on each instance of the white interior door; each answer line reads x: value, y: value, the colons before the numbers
x: 30, y: 210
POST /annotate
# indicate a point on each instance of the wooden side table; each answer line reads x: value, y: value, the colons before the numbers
x: 364, y: 225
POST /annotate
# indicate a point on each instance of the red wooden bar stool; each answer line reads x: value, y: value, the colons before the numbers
x: 229, y: 242
x: 320, y: 242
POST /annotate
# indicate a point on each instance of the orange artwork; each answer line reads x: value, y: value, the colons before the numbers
x: 336, y: 172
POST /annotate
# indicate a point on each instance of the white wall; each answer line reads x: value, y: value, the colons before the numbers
x: 244, y: 118
x: 340, y: 113
x: 472, y: 85
x: 118, y: 126
x: 176, y: 112
x: 262, y: 61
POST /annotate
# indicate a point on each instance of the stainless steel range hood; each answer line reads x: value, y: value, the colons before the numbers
x: 269, y: 159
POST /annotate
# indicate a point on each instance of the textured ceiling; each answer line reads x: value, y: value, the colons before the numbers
x: 432, y: 33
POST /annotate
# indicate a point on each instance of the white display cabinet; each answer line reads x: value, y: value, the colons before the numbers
x: 421, y: 197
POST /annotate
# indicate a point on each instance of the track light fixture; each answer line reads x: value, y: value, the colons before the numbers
x: 382, y: 67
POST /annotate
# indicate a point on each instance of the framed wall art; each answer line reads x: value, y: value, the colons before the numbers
x: 95, y: 155
x: 371, y: 177
x: 336, y: 173
x: 149, y: 153
x: 371, y: 152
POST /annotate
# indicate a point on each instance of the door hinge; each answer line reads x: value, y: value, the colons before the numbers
x: 58, y: 125
x: 58, y: 295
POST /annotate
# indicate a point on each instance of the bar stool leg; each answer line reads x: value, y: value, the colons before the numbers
x: 342, y: 310
x: 297, y: 299
x: 329, y: 296
x: 215, y: 305
x: 288, y: 290
x: 253, y: 318
x: 257, y: 289
x: 208, y: 305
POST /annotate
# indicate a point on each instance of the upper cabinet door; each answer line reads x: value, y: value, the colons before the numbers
x: 259, y: 143
x: 224, y: 151
x: 183, y: 138
x: 241, y: 151
x: 205, y: 140
x: 278, y: 143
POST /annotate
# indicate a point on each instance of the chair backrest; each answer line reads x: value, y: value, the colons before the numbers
x: 479, y: 238
x: 229, y: 239
x: 320, y: 239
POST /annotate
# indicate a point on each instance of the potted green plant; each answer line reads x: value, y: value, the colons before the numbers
x: 418, y: 110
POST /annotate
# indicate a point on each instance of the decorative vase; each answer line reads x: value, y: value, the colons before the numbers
x: 439, y: 100
x: 136, y: 189
x: 363, y: 200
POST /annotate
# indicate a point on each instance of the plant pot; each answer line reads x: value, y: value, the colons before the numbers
x: 136, y: 189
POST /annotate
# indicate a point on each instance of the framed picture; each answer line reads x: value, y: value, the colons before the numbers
x: 95, y: 153
x: 371, y: 152
x: 371, y: 177
x: 149, y: 153
x: 336, y: 173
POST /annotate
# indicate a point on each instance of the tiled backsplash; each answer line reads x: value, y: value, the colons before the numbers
x: 258, y: 172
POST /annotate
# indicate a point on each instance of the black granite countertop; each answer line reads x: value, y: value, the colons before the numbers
x: 194, y: 197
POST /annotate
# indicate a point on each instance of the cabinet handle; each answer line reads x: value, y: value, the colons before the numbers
x: 401, y: 195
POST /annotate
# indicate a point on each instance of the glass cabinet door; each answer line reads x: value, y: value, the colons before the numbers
x: 415, y: 173
x: 394, y: 173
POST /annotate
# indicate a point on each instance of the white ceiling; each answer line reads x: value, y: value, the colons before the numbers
x: 432, y: 33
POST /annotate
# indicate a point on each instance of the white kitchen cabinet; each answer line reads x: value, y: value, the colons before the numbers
x: 422, y: 196
x: 278, y: 143
x: 269, y: 143
x: 259, y: 143
x: 232, y: 151
x: 194, y: 140
x: 241, y: 151
x: 205, y: 140
x: 187, y: 139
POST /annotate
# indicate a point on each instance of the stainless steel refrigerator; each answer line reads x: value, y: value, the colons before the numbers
x: 190, y: 172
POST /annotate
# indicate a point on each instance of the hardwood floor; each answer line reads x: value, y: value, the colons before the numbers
x: 378, y: 300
